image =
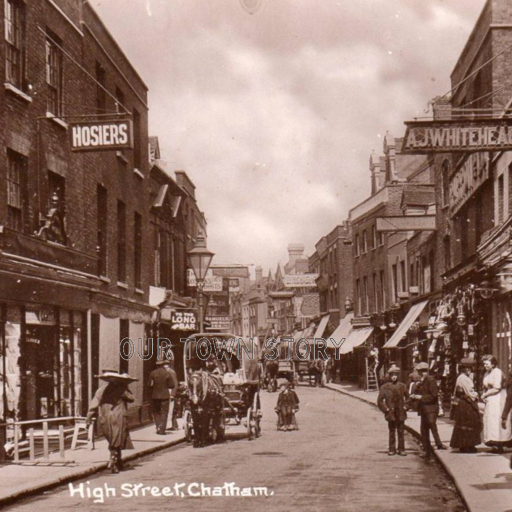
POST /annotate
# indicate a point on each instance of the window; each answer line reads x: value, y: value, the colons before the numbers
x: 381, y: 238
x: 365, y: 241
x: 137, y: 146
x: 120, y: 100
x: 16, y: 193
x: 358, y: 293
x: 137, y: 244
x: 501, y: 199
x: 54, y: 75
x: 102, y: 216
x: 394, y: 271
x: 374, y: 237
x: 121, y: 241
x: 15, y: 42
x: 445, y: 182
x: 403, y: 276
x: 101, y: 95
x: 366, y: 298
x: 412, y: 275
x: 383, y: 290
x: 356, y: 245
x: 375, y: 294
x: 57, y: 192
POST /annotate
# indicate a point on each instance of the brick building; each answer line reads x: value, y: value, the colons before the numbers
x: 74, y: 264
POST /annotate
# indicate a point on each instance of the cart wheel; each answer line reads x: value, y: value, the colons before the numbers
x: 221, y: 430
x: 187, y: 418
x: 251, y: 428
x: 256, y: 415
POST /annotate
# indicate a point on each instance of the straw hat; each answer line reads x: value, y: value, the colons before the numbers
x: 422, y: 367
x: 467, y: 362
x: 115, y: 376
x: 394, y: 369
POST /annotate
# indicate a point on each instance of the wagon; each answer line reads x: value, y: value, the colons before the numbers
x: 231, y: 365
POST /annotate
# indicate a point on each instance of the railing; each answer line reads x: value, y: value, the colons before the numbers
x: 28, y: 427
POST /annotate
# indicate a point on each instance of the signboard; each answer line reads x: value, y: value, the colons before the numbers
x: 467, y: 179
x: 219, y: 323
x: 234, y: 285
x: 407, y: 223
x: 423, y: 137
x: 310, y: 305
x: 101, y: 135
x: 180, y: 320
x: 219, y: 300
x: 300, y: 280
x: 211, y: 283
x: 230, y: 271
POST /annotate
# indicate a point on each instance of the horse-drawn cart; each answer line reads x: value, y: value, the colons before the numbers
x: 222, y: 375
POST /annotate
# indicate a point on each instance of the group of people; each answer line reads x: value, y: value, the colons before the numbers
x: 110, y: 405
x: 395, y: 399
x: 322, y: 371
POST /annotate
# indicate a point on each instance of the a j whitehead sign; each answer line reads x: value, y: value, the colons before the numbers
x: 101, y: 135
x: 422, y: 137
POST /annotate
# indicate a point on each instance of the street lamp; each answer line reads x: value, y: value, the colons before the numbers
x: 199, y: 260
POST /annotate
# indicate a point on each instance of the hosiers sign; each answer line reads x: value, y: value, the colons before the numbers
x: 102, y: 135
x: 423, y: 137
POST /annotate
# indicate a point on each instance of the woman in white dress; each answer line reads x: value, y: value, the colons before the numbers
x: 494, y: 395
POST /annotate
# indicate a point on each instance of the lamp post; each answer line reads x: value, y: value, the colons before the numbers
x: 199, y: 259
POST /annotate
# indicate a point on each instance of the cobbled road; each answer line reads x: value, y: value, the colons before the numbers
x: 336, y: 461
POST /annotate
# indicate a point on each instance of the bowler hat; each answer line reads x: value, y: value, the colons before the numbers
x: 422, y: 367
x: 394, y: 369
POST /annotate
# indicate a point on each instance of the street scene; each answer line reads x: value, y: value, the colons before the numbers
x: 256, y: 255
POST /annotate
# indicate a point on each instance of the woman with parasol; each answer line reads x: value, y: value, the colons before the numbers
x: 110, y: 405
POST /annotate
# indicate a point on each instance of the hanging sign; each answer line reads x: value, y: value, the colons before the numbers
x: 181, y: 320
x: 101, y: 135
x: 423, y: 137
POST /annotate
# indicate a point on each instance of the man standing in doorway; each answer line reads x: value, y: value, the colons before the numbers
x: 391, y: 401
x: 161, y: 380
x: 426, y: 394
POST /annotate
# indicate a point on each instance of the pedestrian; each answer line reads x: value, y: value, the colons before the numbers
x: 160, y: 381
x: 392, y: 402
x: 110, y: 405
x: 412, y: 383
x: 494, y: 396
x: 331, y: 369
x: 426, y: 394
x: 468, y: 426
x: 507, y: 410
x: 287, y: 406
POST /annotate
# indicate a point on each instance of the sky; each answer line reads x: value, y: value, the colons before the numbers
x: 274, y: 115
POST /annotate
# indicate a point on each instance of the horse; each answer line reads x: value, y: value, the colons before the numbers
x: 206, y: 405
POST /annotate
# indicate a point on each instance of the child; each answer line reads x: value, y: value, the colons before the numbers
x: 287, y: 405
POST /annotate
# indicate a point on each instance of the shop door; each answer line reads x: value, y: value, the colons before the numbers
x: 40, y: 372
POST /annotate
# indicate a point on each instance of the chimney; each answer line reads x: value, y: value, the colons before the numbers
x: 442, y: 108
x: 259, y: 274
x: 375, y: 173
x: 295, y: 252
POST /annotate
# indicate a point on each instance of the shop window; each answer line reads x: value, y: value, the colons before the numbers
x: 54, y: 75
x: 121, y: 241
x: 66, y: 365
x: 15, y: 43
x: 11, y: 350
x: 16, y: 189
x: 101, y: 227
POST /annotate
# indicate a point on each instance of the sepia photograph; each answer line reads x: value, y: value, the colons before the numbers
x: 256, y: 255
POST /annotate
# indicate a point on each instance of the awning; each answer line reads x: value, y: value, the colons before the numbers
x: 321, y: 327
x: 355, y: 338
x: 342, y: 331
x: 402, y: 329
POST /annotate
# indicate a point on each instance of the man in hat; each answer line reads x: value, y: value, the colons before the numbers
x: 287, y: 405
x: 160, y: 381
x: 391, y: 401
x: 426, y: 394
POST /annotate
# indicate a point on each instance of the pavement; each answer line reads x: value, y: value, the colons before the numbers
x: 483, y: 479
x: 22, y: 480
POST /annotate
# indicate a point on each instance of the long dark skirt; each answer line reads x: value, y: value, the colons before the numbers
x: 468, y: 425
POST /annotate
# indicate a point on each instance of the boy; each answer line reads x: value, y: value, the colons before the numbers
x: 287, y: 404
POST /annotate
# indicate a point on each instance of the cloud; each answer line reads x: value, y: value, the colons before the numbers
x: 274, y: 116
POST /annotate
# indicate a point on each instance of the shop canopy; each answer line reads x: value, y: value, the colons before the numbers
x: 409, y: 319
x: 355, y: 338
x: 321, y: 327
x: 342, y: 331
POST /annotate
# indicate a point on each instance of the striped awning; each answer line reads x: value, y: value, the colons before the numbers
x: 321, y: 327
x: 402, y: 329
x: 342, y: 331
